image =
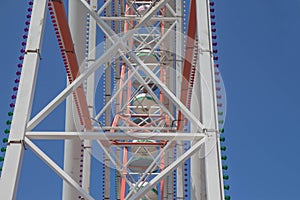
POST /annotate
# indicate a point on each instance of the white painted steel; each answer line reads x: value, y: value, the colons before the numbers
x: 90, y: 93
x: 149, y: 90
x: 168, y: 170
x: 22, y: 112
x: 149, y: 73
x: 142, y: 82
x: 107, y: 120
x: 112, y: 36
x: 198, y: 187
x: 179, y: 66
x: 147, y: 172
x: 65, y: 176
x: 83, y: 76
x: 103, y: 7
x: 137, y: 18
x: 72, y: 152
x: 126, y: 128
x: 111, y: 156
x: 206, y: 174
x: 179, y: 136
x: 179, y: 105
x: 212, y: 176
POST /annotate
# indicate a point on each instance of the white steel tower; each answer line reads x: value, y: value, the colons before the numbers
x: 140, y: 93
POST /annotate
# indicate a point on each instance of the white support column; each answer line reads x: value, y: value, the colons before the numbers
x: 72, y: 154
x: 198, y: 187
x: 15, y: 148
x: 180, y: 172
x: 179, y: 67
x: 107, y: 110
x: 208, y: 113
x: 90, y: 100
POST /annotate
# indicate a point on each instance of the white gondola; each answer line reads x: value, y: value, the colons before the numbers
x: 143, y: 104
x: 143, y: 156
x: 142, y: 152
x: 142, y: 10
x: 140, y: 164
x: 151, y: 60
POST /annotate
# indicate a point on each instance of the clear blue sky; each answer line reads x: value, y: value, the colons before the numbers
x: 258, y: 44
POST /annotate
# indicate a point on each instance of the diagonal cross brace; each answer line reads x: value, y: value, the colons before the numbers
x: 83, y: 76
x: 66, y: 177
x: 168, y: 169
x: 109, y: 32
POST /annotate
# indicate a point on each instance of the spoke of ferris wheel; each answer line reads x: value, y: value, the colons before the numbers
x: 82, y: 77
x: 106, y: 29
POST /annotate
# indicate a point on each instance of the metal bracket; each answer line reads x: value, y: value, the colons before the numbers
x: 17, y: 142
x: 34, y: 51
x: 205, y: 51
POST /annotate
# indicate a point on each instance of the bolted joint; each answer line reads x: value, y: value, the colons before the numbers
x: 16, y: 142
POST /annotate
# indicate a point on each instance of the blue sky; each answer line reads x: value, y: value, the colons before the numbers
x: 258, y: 43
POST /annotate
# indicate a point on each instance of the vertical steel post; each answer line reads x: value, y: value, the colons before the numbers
x: 204, y: 99
x: 72, y: 158
x: 179, y: 67
x: 108, y: 88
x: 22, y: 112
x: 90, y: 98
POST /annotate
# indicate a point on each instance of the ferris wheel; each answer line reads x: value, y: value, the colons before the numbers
x: 145, y: 102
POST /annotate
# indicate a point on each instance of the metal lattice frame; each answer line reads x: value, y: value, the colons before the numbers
x: 205, y: 149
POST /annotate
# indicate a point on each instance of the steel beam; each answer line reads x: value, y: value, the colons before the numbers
x: 72, y: 148
x: 67, y: 178
x: 209, y: 184
x: 22, y: 112
x: 168, y: 170
x: 90, y: 93
x: 180, y: 136
x: 188, y: 114
x: 80, y: 79
x: 107, y: 30
x: 147, y: 173
x: 137, y: 18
